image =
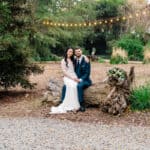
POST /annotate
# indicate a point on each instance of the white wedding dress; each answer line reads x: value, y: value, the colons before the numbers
x: 70, y: 101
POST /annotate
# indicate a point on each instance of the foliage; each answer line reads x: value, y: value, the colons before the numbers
x: 118, y: 60
x: 101, y: 60
x: 119, y: 56
x: 60, y: 38
x: 106, y: 32
x: 140, y: 97
x: 132, y: 45
x: 77, y: 11
x: 15, y: 55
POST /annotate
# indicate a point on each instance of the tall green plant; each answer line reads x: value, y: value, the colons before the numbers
x: 140, y: 98
x: 15, y: 49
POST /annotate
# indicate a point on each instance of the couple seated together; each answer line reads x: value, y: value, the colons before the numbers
x: 76, y: 70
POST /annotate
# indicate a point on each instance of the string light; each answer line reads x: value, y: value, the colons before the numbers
x: 124, y: 18
x: 106, y: 21
x: 144, y: 12
x: 84, y: 24
x: 130, y: 16
x: 137, y: 14
x: 96, y: 22
x: 117, y: 19
x: 90, y: 24
x: 47, y: 22
x: 100, y: 22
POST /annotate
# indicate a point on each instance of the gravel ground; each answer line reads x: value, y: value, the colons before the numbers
x: 51, y: 134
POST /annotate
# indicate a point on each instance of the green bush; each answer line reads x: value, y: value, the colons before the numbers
x: 140, y: 98
x: 118, y: 60
x: 133, y: 46
x: 15, y: 48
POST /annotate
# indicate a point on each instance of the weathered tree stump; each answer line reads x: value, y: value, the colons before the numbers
x: 118, y: 99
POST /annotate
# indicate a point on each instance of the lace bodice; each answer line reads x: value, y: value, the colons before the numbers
x: 68, y: 70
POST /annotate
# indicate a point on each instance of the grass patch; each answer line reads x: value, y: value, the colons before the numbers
x: 119, y: 56
x: 140, y: 97
x: 101, y: 60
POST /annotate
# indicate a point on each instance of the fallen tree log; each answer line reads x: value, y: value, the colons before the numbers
x: 93, y: 96
x: 111, y: 96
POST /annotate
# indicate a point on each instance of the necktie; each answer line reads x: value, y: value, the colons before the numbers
x: 78, y: 63
x: 78, y: 66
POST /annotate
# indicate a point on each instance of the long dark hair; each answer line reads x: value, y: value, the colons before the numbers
x: 65, y: 57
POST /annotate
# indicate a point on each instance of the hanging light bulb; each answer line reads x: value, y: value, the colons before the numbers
x: 47, y: 22
x: 95, y: 23
x: 137, y: 14
x: 84, y: 24
x: 130, y: 16
x: 144, y: 12
x: 100, y: 22
x: 117, y: 19
x: 124, y: 18
x: 90, y: 24
x: 106, y: 21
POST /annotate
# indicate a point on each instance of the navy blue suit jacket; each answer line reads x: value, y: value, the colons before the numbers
x: 83, y: 71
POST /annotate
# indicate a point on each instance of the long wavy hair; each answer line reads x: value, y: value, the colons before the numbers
x: 65, y: 57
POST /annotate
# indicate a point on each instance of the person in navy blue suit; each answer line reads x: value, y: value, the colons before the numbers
x: 82, y: 70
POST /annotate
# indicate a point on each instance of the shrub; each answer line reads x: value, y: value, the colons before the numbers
x: 140, y: 97
x: 133, y: 46
x: 15, y: 48
x: 101, y: 60
x: 119, y: 56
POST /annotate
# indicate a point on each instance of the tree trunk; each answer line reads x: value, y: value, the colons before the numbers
x: 92, y: 97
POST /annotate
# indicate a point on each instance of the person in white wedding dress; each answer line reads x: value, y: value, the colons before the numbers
x: 70, y: 102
